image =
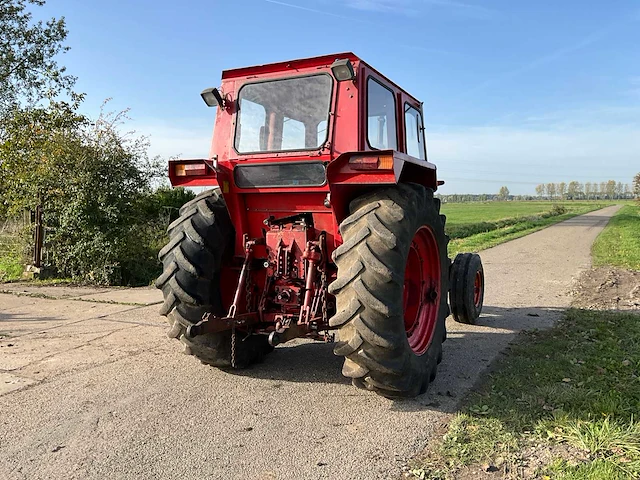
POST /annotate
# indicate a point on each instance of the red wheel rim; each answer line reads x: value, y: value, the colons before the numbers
x: 422, y: 290
x: 478, y: 286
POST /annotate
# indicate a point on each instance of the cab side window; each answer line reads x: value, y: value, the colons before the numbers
x: 381, y: 116
x: 414, y: 132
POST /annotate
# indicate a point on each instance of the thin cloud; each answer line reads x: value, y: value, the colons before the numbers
x: 413, y: 7
x: 321, y: 12
x: 360, y: 20
x: 398, y: 7
x: 391, y: 6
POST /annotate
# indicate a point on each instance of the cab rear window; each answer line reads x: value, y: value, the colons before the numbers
x: 291, y: 174
x: 283, y: 115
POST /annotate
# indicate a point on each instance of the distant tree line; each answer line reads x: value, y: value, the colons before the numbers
x: 610, y: 190
x: 482, y: 197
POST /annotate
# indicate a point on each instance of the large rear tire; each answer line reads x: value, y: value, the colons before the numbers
x: 391, y: 290
x: 190, y: 281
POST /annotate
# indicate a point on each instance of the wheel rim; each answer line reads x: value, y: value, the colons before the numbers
x: 478, y: 286
x: 422, y: 290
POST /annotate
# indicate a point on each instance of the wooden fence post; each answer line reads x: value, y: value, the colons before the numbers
x: 39, y: 236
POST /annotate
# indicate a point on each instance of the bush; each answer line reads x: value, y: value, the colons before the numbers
x: 104, y: 222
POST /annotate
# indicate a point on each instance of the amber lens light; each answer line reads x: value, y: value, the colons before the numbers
x: 187, y: 169
x: 383, y: 162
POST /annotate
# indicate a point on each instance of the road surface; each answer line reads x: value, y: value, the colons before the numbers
x: 90, y: 386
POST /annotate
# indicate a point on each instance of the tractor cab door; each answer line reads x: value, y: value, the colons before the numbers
x: 381, y: 117
x: 392, y: 119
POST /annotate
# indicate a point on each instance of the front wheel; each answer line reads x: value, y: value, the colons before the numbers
x: 391, y: 290
x: 467, y: 288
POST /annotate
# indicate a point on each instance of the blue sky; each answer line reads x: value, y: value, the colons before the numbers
x: 515, y: 93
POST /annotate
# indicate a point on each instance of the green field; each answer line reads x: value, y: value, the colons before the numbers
x: 475, y: 226
x: 619, y: 244
x: 473, y: 212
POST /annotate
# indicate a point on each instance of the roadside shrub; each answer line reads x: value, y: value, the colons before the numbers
x: 104, y: 222
x: 558, y: 210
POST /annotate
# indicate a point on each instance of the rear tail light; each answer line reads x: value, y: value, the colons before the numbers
x: 189, y: 169
x: 372, y: 162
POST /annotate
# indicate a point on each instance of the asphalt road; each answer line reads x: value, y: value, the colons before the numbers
x: 94, y: 389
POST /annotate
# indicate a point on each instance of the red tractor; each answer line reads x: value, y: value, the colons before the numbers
x: 322, y: 218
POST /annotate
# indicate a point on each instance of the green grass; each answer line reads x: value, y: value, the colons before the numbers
x: 11, y: 267
x: 476, y: 226
x: 475, y: 212
x: 619, y: 244
x: 573, y: 387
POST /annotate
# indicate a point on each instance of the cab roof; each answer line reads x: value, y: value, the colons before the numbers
x: 292, y: 65
x: 321, y: 61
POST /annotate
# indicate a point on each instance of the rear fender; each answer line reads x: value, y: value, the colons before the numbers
x: 194, y: 173
x: 348, y: 180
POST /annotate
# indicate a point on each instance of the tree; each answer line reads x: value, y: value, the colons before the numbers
x: 28, y: 50
x: 562, y: 189
x: 573, y: 189
x: 588, y: 190
x: 636, y: 185
x: 91, y: 181
x: 504, y: 193
x: 610, y: 188
x: 551, y: 190
x: 540, y: 189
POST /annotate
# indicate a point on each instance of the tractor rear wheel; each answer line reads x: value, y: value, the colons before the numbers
x: 190, y: 281
x: 391, y: 290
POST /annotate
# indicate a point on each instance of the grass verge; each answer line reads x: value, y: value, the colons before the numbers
x: 562, y: 403
x: 514, y: 228
x: 11, y: 267
x: 619, y: 243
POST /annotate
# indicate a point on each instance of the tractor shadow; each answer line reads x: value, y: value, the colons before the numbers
x: 467, y: 352
x: 299, y: 361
